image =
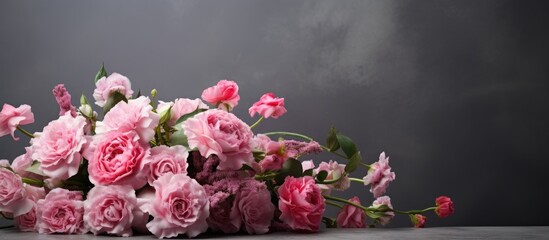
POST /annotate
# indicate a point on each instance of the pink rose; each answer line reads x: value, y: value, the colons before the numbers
x: 380, y: 201
x: 58, y: 147
x: 180, y: 107
x: 223, y: 134
x: 118, y: 158
x: 61, y: 212
x: 13, y: 197
x: 136, y: 115
x: 335, y: 171
x: 11, y: 118
x: 110, y: 209
x: 106, y: 86
x: 167, y: 160
x: 27, y: 221
x: 301, y: 204
x: 350, y: 216
x: 268, y: 106
x: 180, y: 206
x: 379, y: 176
x: 271, y: 163
x: 63, y: 98
x: 445, y: 206
x: 255, y: 207
x: 418, y: 220
x: 224, y: 95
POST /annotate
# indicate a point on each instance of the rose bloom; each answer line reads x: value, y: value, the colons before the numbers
x: 418, y: 220
x: 385, y: 200
x: 223, y: 134
x: 255, y: 207
x: 224, y: 95
x: 135, y: 115
x: 106, y: 86
x: 180, y: 206
x: 118, y: 158
x: 58, y: 147
x: 62, y: 211
x: 180, y: 107
x: 379, y: 176
x: 11, y: 118
x: 13, y: 196
x: 268, y: 106
x: 445, y: 206
x: 350, y: 216
x: 27, y: 221
x: 335, y: 171
x: 301, y: 204
x: 167, y: 160
x: 110, y: 209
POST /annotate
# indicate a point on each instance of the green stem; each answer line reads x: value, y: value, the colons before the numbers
x: 367, y: 166
x: 356, y: 180
x: 414, y: 211
x: 33, y: 182
x: 346, y: 202
x: 6, y: 227
x: 6, y: 217
x: 333, y: 204
x: 257, y: 123
x: 25, y: 132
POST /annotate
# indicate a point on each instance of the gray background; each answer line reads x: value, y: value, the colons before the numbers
x: 454, y: 91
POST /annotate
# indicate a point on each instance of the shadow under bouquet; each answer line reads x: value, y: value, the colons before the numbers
x: 183, y: 168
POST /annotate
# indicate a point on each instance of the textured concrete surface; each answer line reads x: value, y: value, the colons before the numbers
x: 379, y: 233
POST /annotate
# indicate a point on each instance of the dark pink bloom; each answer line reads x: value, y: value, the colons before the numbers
x: 224, y: 214
x: 301, y: 204
x: 295, y: 149
x: 445, y: 206
x: 379, y: 176
x: 11, y: 118
x: 350, y: 216
x: 418, y: 220
x: 224, y: 95
x: 268, y: 106
x: 255, y: 206
x: 63, y: 98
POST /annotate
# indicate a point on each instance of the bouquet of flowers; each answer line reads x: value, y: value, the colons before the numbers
x: 182, y: 167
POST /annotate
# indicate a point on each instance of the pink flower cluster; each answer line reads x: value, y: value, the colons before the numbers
x: 181, y: 167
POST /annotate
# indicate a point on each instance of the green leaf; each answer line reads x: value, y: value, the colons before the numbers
x: 375, y: 215
x: 189, y: 115
x: 321, y: 176
x: 35, y: 168
x: 308, y: 172
x: 246, y: 167
x: 331, y: 140
x: 291, y: 167
x: 353, y: 163
x: 114, y: 99
x: 179, y: 138
x: 347, y: 145
x: 138, y: 94
x: 165, y: 116
x: 101, y: 73
x: 258, y: 155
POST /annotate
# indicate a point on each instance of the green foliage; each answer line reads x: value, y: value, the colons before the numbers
x: 114, y: 99
x: 101, y: 73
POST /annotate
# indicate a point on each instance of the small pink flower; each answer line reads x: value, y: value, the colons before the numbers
x: 58, y: 147
x: 111, y: 210
x: 62, y: 211
x: 118, y: 158
x: 136, y: 115
x: 106, y: 86
x: 268, y: 106
x: 11, y: 118
x: 180, y: 107
x: 263, y: 143
x: 13, y: 196
x: 445, y: 206
x: 271, y: 163
x: 223, y: 134
x: 301, y: 204
x: 27, y: 221
x: 63, y: 98
x: 167, y: 160
x: 255, y: 207
x: 380, y: 201
x: 335, y: 171
x: 224, y: 95
x: 350, y: 216
x: 180, y: 206
x: 379, y: 176
x: 418, y: 220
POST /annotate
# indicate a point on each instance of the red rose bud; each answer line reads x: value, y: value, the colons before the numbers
x: 445, y: 206
x: 418, y: 220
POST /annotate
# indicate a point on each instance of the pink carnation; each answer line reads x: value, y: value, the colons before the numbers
x: 180, y: 206
x: 379, y: 176
x: 13, y: 196
x: 11, y: 118
x: 58, y: 147
x: 255, y: 207
x: 118, y: 158
x: 62, y: 211
x: 27, y: 221
x: 110, y: 209
x: 445, y: 206
x: 180, y: 107
x: 301, y: 204
x: 418, y: 220
x: 350, y: 216
x: 224, y: 95
x: 135, y: 115
x: 106, y: 86
x: 380, y: 201
x: 271, y: 163
x: 167, y: 160
x: 335, y: 171
x: 223, y: 134
x: 268, y: 106
x: 63, y: 98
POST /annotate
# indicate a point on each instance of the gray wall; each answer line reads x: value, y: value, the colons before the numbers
x: 454, y: 91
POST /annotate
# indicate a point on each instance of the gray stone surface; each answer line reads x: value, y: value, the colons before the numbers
x: 378, y: 233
